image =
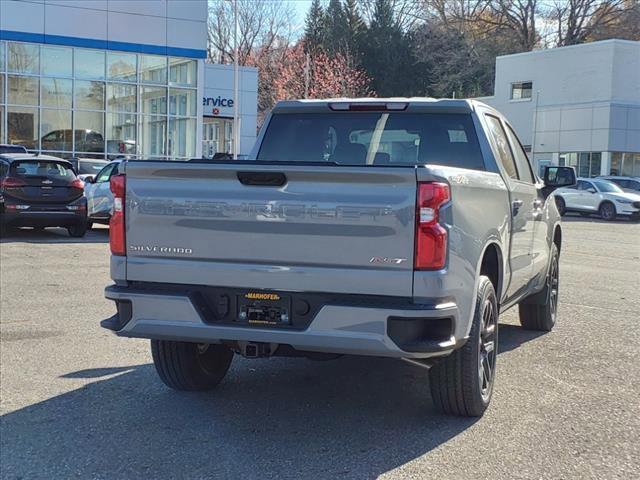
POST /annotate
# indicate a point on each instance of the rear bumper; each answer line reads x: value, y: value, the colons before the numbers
x: 357, y: 328
x: 43, y: 219
x: 42, y: 214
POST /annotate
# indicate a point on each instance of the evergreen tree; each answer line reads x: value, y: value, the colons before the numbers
x: 314, y: 30
x: 335, y: 28
x: 387, y: 53
x: 356, y: 29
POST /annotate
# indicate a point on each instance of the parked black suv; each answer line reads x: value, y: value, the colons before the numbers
x: 41, y: 191
x: 5, y: 148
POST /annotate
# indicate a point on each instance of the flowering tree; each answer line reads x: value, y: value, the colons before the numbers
x: 318, y: 75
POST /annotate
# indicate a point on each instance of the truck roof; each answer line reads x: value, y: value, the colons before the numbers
x: 416, y: 104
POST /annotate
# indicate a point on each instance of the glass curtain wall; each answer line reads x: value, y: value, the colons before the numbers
x: 587, y: 164
x: 95, y: 103
x: 627, y: 164
x: 217, y: 136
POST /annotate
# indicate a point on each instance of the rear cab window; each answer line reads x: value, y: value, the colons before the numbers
x: 373, y: 139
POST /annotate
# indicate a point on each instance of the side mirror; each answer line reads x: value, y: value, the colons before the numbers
x: 557, y: 177
x: 591, y: 190
x: 89, y: 179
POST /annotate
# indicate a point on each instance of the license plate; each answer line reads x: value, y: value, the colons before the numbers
x: 262, y: 308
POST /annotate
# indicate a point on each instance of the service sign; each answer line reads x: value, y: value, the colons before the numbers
x: 218, y: 105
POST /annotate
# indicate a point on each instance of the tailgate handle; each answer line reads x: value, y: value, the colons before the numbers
x: 262, y: 179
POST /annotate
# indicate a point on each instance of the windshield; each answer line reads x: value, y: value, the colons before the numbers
x: 373, y: 138
x: 608, y: 187
x: 42, y: 168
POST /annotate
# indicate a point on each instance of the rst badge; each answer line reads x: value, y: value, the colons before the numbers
x: 388, y: 260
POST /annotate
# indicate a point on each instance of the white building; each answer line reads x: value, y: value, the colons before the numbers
x: 584, y: 101
x: 106, y: 77
x: 218, y: 105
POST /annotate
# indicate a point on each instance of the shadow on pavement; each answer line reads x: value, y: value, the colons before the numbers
x: 53, y: 235
x: 511, y: 337
x: 576, y: 217
x: 278, y: 418
x: 354, y: 417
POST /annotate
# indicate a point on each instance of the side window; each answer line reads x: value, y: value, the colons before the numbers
x: 634, y: 185
x: 524, y: 167
x: 104, y: 174
x: 582, y: 185
x: 115, y: 170
x: 502, y: 145
x: 4, y: 168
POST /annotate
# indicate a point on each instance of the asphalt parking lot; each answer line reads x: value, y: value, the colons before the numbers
x: 76, y: 401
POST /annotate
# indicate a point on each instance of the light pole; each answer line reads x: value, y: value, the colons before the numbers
x: 236, y: 95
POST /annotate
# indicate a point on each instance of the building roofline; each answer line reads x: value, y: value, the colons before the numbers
x: 567, y: 47
x: 226, y: 66
x: 100, y: 44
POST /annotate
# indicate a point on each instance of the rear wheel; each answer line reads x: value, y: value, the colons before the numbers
x: 462, y: 383
x: 89, y: 225
x: 607, y: 211
x: 562, y: 207
x: 190, y: 366
x: 538, y: 312
x: 78, y: 230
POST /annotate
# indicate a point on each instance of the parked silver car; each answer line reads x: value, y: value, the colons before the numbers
x: 99, y: 196
x: 602, y: 197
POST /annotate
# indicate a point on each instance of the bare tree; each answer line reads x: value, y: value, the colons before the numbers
x: 407, y: 12
x: 576, y: 20
x: 517, y: 16
x: 459, y: 15
x: 260, y: 26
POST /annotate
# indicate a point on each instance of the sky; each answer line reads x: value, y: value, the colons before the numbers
x: 300, y: 7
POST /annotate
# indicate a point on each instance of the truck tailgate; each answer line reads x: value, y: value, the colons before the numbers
x: 325, y: 229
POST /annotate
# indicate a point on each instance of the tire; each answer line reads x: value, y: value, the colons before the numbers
x: 77, y: 231
x: 462, y: 383
x: 562, y: 206
x: 539, y: 311
x: 89, y: 225
x: 607, y: 211
x: 190, y: 366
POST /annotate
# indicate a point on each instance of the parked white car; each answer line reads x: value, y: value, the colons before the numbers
x: 99, y: 196
x: 628, y: 184
x: 605, y: 198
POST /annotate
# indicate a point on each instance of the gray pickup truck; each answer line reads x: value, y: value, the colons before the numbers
x: 390, y: 227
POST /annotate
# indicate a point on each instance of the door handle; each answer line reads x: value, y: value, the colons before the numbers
x: 262, y: 179
x: 515, y: 206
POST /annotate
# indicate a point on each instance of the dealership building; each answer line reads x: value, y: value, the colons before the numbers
x: 104, y: 78
x: 577, y: 105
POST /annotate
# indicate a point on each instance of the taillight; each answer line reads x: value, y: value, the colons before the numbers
x: 118, y: 187
x: 431, y: 237
x: 77, y: 183
x: 12, y: 182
